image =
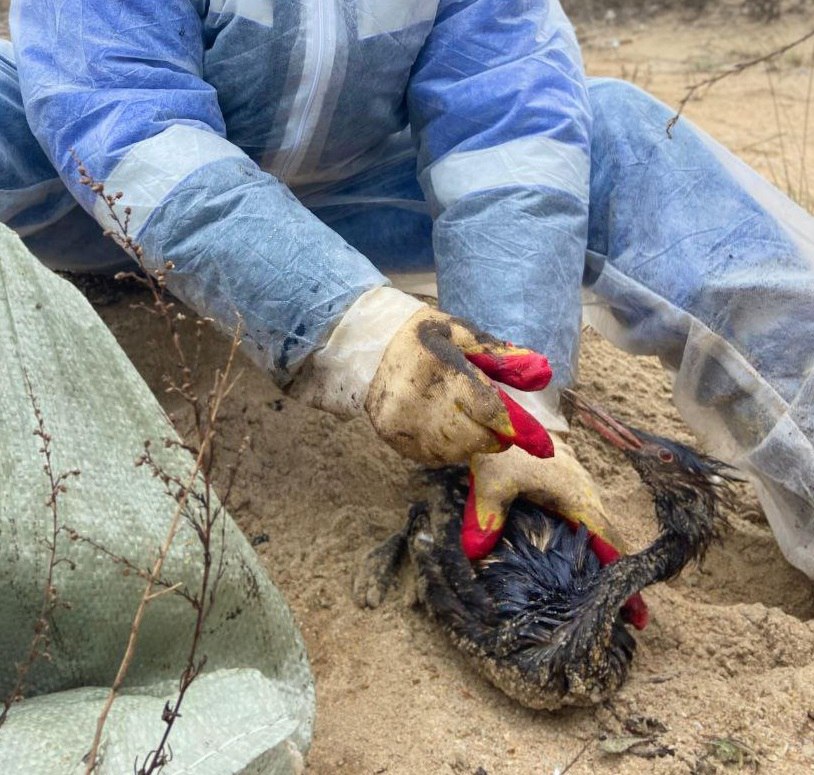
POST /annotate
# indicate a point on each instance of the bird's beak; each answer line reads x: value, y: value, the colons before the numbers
x: 600, y: 421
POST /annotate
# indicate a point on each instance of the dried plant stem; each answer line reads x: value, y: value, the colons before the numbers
x: 781, y: 135
x: 221, y: 389
x: 203, y: 517
x: 38, y: 648
x: 143, y: 573
x: 803, y: 189
x: 135, y: 627
x: 733, y: 70
x: 576, y: 757
x: 203, y: 601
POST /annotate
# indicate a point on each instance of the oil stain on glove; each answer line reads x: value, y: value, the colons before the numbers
x: 433, y: 400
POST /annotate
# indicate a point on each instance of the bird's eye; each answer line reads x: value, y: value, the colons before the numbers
x: 665, y: 455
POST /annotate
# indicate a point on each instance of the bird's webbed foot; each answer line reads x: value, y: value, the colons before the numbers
x: 376, y: 572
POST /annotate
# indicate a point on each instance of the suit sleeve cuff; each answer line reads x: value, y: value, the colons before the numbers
x: 337, y: 377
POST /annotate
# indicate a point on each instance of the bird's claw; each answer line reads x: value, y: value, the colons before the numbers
x: 376, y: 571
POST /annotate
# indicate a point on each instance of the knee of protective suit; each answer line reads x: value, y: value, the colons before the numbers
x: 629, y: 125
x: 622, y: 110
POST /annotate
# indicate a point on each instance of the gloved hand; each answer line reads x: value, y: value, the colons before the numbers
x: 560, y: 484
x: 423, y: 378
x: 432, y: 398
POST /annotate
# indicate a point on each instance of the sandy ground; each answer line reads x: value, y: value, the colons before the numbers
x: 730, y: 651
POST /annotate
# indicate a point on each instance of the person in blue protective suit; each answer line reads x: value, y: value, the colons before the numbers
x: 284, y: 156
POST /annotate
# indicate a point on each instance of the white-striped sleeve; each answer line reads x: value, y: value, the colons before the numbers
x: 535, y: 160
x: 152, y: 168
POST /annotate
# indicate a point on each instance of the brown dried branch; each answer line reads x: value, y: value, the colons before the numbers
x: 205, y: 518
x: 41, y: 639
x: 204, y: 527
x: 194, y: 665
x: 129, y: 565
x: 576, y: 757
x: 155, y: 573
x: 733, y: 70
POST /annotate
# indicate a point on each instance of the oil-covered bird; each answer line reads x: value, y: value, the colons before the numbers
x: 540, y: 617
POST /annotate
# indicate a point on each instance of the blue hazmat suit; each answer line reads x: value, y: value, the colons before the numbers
x: 286, y: 155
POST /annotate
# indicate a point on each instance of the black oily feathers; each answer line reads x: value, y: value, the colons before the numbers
x: 541, y: 564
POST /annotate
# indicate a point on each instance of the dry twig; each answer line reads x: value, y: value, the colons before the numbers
x: 41, y: 639
x: 193, y: 505
x: 576, y: 757
x: 733, y: 70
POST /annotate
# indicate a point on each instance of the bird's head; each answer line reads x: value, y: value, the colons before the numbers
x: 688, y: 486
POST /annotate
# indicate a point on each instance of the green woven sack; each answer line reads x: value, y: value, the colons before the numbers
x: 251, y: 710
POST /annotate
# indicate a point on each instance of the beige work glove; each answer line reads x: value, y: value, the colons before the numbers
x: 560, y: 484
x: 425, y: 380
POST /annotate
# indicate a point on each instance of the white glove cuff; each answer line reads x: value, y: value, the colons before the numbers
x: 543, y: 405
x: 337, y: 377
